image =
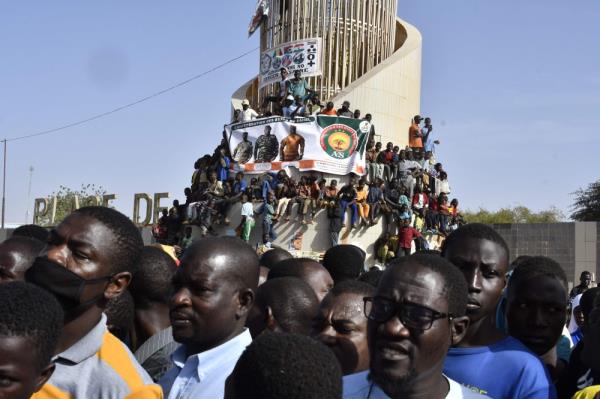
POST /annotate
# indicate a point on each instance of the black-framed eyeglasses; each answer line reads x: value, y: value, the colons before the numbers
x: 414, y: 316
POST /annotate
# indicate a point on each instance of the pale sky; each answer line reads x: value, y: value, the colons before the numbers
x: 513, y: 89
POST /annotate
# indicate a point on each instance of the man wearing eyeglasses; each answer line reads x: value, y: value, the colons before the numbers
x: 417, y: 312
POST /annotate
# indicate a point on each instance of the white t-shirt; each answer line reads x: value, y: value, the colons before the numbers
x: 249, y: 115
x: 357, y: 386
x: 247, y: 209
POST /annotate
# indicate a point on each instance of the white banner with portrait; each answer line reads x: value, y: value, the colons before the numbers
x: 303, y: 55
x: 327, y: 144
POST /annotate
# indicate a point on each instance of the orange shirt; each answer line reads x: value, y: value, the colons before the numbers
x: 413, y: 139
x: 331, y: 112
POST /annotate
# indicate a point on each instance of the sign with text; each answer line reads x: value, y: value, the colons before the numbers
x: 303, y: 55
x: 328, y: 144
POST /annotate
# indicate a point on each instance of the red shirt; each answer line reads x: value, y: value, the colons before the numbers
x: 418, y: 197
x: 406, y: 235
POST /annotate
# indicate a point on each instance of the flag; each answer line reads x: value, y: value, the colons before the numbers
x: 260, y: 14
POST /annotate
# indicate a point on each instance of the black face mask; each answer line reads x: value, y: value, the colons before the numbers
x: 65, y: 285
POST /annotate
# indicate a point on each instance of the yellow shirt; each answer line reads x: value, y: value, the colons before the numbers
x: 588, y: 393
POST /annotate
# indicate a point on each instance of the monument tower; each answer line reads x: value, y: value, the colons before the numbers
x: 368, y: 56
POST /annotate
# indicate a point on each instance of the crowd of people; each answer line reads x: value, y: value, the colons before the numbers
x: 405, y: 187
x: 88, y: 311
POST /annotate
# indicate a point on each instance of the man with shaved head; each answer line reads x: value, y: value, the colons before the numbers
x: 311, y: 271
x: 285, y: 304
x: 213, y: 291
x: 274, y: 256
x: 17, y: 255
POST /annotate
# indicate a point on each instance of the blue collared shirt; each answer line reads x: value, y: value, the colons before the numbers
x: 203, y: 375
x: 358, y: 386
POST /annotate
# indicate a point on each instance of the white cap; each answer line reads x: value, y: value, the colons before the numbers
x: 245, y: 102
x: 290, y: 97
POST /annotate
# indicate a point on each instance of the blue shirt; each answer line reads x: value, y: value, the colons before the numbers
x: 506, y: 369
x: 239, y: 186
x: 203, y: 375
x: 358, y: 386
x: 223, y: 171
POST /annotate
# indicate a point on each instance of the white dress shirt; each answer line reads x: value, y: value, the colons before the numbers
x: 203, y: 375
x: 358, y: 386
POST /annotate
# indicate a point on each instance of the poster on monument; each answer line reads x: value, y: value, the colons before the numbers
x: 327, y: 144
x: 303, y: 55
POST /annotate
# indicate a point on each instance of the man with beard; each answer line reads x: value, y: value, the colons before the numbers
x: 90, y: 259
x: 266, y: 146
x: 496, y: 365
x: 417, y: 312
x: 243, y: 151
x: 213, y: 292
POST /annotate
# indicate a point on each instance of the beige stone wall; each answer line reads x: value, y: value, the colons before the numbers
x: 391, y: 91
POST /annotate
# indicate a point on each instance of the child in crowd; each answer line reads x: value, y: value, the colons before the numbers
x: 362, y: 191
x: 31, y: 320
x: 385, y: 249
x: 374, y: 200
x: 247, y: 222
x: 443, y: 213
x: 331, y: 191
x: 406, y: 235
x: 268, y: 211
x: 255, y: 189
x: 334, y: 213
x: 206, y: 212
x: 347, y: 198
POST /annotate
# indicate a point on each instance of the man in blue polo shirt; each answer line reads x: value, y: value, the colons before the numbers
x: 486, y: 360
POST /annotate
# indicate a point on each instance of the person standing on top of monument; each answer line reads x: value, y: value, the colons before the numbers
x: 298, y: 86
x: 486, y: 359
x: 282, y: 91
x: 429, y: 142
x: 248, y: 113
x: 585, y: 279
x: 345, y: 110
x: 329, y: 110
x: 266, y: 146
x: 415, y: 136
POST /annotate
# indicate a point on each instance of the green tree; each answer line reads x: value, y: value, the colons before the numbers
x: 587, y: 204
x: 65, y: 200
x: 517, y: 214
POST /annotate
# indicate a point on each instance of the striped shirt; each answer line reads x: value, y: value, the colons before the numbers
x: 155, y: 354
x: 98, y: 366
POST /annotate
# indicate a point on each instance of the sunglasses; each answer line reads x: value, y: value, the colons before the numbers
x: 413, y: 316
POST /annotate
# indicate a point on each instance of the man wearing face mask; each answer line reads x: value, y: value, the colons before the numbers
x: 89, y: 260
